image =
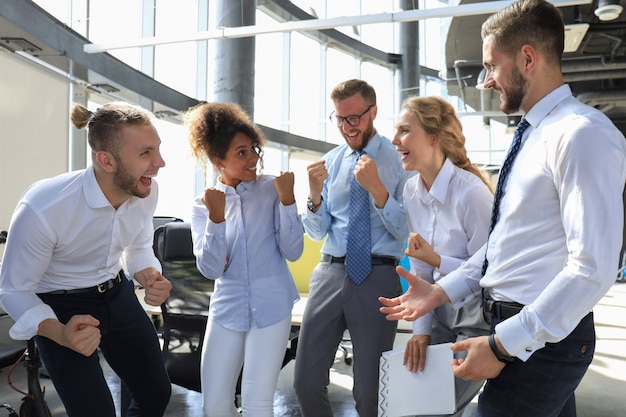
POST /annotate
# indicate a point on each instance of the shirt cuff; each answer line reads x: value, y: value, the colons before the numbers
x: 515, y: 339
x: 423, y: 325
x: 215, y: 228
x: 447, y: 264
x: 458, y: 292
x: 27, y: 325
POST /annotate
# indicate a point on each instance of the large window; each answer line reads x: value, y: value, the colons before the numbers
x: 294, y: 75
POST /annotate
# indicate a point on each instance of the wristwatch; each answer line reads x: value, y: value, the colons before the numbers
x: 312, y: 206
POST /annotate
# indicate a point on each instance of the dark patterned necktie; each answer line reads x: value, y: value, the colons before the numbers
x: 358, y: 251
x: 504, y: 173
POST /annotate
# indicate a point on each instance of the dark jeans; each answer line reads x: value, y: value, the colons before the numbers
x: 129, y: 344
x: 544, y: 385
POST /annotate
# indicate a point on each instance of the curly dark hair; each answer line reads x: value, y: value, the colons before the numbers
x: 213, y: 126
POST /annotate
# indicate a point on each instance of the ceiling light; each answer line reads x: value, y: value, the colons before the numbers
x: 574, y: 34
x: 608, y: 10
x: 19, y: 44
x: 103, y: 87
x: 162, y: 114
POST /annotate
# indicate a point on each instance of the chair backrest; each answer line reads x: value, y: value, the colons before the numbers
x: 186, y: 310
x: 191, y: 292
x: 161, y: 220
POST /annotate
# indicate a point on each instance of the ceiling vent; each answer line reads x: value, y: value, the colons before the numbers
x: 608, y: 10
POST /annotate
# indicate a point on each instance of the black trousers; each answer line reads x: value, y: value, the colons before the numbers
x: 544, y: 385
x: 129, y: 344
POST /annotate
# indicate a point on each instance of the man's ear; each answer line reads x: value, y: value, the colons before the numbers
x: 106, y: 161
x: 528, y: 58
x: 374, y: 111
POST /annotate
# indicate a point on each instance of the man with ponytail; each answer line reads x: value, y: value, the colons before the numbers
x: 62, y: 279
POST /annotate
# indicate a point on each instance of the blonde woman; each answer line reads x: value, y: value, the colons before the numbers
x: 448, y: 205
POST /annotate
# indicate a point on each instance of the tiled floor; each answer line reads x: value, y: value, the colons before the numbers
x: 601, y: 394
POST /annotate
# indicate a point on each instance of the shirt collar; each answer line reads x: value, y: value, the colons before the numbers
x: 93, y: 193
x: 371, y: 148
x: 439, y: 189
x: 95, y: 196
x: 227, y: 189
x: 544, y: 106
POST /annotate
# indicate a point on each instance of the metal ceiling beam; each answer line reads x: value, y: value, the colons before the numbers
x: 320, y: 24
x: 285, y: 10
x: 68, y: 44
x: 42, y: 28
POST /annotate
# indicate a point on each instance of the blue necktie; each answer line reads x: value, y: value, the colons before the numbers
x: 358, y: 252
x: 504, y: 173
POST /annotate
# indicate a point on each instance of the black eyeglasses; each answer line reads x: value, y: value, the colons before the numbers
x: 352, y: 120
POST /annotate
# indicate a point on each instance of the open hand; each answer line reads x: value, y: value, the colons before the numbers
x: 421, y: 298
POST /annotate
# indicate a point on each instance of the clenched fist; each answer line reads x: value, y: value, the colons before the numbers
x: 284, y: 186
x: 215, y: 202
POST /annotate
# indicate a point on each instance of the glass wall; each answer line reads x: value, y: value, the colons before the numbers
x: 294, y: 75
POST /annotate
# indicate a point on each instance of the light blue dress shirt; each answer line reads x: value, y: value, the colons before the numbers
x: 246, y: 254
x: 389, y: 224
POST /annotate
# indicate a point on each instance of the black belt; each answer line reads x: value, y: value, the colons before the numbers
x: 376, y: 260
x: 500, y: 310
x: 97, y: 289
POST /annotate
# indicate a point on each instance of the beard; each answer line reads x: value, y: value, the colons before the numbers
x: 125, y: 181
x: 515, y: 93
x: 366, y: 135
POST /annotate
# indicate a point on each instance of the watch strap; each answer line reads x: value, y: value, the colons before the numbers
x: 494, y: 348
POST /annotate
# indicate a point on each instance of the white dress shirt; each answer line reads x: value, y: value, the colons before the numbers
x: 453, y: 217
x: 246, y: 254
x: 555, y: 248
x: 64, y: 234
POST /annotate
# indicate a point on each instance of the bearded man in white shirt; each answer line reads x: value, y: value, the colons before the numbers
x: 551, y: 254
x: 62, y: 279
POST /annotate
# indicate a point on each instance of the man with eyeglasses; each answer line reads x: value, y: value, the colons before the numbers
x: 344, y: 293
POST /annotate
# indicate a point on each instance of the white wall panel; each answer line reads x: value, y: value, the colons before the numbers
x: 34, y: 128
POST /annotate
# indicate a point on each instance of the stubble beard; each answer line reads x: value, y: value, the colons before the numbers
x: 515, y: 93
x: 125, y: 181
x: 366, y: 135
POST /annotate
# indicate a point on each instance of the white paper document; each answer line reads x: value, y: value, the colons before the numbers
x: 404, y: 393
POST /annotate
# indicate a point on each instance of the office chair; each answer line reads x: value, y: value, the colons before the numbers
x: 10, y: 350
x: 161, y: 220
x: 186, y: 310
x: 345, y: 347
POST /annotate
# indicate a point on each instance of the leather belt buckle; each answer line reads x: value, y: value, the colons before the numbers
x: 487, y: 309
x: 501, y: 310
x: 107, y: 285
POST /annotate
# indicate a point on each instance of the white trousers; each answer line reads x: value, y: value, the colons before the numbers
x: 259, y: 351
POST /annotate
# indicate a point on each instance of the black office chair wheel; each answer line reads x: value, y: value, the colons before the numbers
x: 348, y: 360
x: 27, y: 409
x: 12, y: 412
